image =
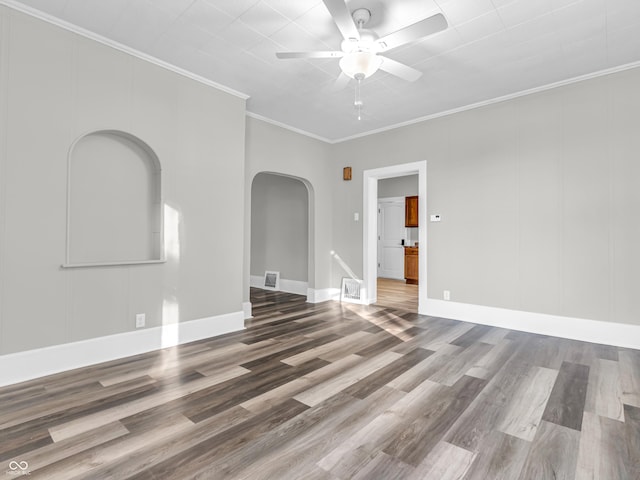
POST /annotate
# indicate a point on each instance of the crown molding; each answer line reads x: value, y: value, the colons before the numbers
x: 288, y: 127
x: 32, y: 12
x: 484, y: 103
x: 85, y: 33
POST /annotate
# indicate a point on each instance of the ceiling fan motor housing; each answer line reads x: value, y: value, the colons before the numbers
x: 361, y: 16
x: 366, y: 43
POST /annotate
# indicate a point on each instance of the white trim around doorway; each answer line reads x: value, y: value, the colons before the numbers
x: 370, y: 227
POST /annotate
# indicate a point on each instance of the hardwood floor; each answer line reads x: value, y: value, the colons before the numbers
x: 336, y: 391
x: 397, y: 294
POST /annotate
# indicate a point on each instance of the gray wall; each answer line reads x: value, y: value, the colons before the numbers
x: 279, y: 226
x: 538, y: 195
x: 56, y: 86
x: 273, y: 149
x: 398, y: 186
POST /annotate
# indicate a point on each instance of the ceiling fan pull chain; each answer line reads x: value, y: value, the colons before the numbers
x: 358, y: 99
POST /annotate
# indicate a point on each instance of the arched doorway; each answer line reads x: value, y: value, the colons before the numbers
x: 280, y: 231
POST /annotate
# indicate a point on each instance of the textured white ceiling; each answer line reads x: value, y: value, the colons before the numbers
x: 491, y: 49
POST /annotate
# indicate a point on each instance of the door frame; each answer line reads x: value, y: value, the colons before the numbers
x: 404, y: 236
x: 370, y: 228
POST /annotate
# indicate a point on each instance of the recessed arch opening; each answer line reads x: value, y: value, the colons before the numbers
x: 114, y: 201
x: 282, y: 237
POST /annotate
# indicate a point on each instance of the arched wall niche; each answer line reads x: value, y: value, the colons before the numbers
x: 114, y: 201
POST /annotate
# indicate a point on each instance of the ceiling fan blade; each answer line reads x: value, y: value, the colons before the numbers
x: 401, y: 70
x: 342, y: 16
x: 328, y: 54
x: 341, y: 82
x: 418, y: 30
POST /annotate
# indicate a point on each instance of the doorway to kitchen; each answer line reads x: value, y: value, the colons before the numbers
x: 372, y: 180
x: 397, y: 243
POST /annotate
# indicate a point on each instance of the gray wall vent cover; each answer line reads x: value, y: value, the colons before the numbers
x: 272, y: 280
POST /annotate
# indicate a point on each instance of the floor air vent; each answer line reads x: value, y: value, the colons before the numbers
x: 272, y: 280
x: 350, y: 291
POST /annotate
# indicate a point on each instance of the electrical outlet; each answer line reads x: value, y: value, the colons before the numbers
x: 447, y: 295
x: 140, y: 320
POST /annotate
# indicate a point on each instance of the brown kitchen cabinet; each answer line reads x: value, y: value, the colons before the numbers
x: 411, y: 265
x: 411, y: 211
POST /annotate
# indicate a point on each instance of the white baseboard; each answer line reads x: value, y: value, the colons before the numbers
x: 299, y: 288
x: 322, y: 294
x: 256, y: 281
x: 22, y: 366
x: 246, y: 309
x: 289, y: 286
x: 594, y: 331
x: 293, y: 286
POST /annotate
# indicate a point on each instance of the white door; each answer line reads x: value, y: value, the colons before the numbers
x: 391, y: 233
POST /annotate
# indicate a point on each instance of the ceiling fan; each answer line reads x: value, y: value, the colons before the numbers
x: 360, y: 54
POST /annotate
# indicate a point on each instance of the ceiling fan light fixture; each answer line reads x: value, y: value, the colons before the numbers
x: 364, y: 63
x: 360, y: 46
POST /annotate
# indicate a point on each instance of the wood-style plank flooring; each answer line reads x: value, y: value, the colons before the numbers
x: 336, y: 391
x: 397, y: 294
